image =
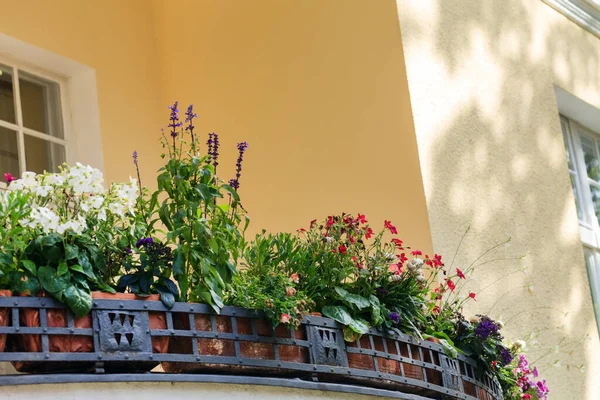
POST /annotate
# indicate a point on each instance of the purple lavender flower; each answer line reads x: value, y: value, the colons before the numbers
x: 213, y: 149
x: 144, y: 241
x: 135, y: 157
x: 175, y: 123
x: 235, y: 182
x: 394, y: 317
x: 189, y: 116
x: 505, y: 356
x: 485, y: 328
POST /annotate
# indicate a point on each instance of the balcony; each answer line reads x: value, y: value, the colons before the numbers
x: 126, y: 340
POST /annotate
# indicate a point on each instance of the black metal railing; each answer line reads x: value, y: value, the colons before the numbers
x: 132, y: 336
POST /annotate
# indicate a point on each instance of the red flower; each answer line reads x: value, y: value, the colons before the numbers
x: 392, y: 228
x: 494, y: 364
x: 416, y: 253
x: 526, y: 396
x: 368, y: 233
x: 437, y: 260
x: 301, y: 230
x: 313, y: 223
x: 397, y: 242
x: 8, y: 177
x: 472, y: 295
x: 361, y: 218
x: 460, y: 274
x: 436, y: 310
x: 451, y: 285
x: 342, y: 249
x: 351, y: 239
x: 329, y: 222
x: 403, y: 258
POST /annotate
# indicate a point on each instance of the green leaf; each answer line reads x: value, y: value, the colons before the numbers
x: 337, y: 313
x: 449, y: 349
x: 78, y: 300
x: 217, y: 299
x: 374, y: 301
x: 62, y: 268
x: 376, y: 317
x: 86, y: 265
x: 52, y: 283
x: 351, y: 298
x: 71, y: 251
x: 168, y: 299
x: 232, y: 192
x: 29, y: 266
x: 350, y: 335
x: 171, y: 286
x: 165, y: 216
x: 179, y: 263
x: 359, y: 326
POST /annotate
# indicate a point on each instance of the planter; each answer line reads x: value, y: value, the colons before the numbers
x: 57, y: 318
x: 4, y: 318
x: 433, y: 376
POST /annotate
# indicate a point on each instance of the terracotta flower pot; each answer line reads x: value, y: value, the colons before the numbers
x: 157, y: 320
x: 361, y: 361
x: 4, y: 318
x: 433, y: 376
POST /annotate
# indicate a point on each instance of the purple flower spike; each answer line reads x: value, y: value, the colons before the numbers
x: 174, y: 118
x: 394, y: 317
x: 135, y: 157
x: 235, y: 182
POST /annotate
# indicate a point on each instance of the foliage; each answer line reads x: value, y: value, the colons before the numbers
x: 149, y: 271
x: 265, y: 283
x: 205, y: 232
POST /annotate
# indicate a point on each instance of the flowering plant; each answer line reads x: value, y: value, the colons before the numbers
x: 206, y: 233
x: 265, y: 283
x: 68, y: 226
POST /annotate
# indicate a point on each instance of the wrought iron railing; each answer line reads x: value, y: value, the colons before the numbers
x: 132, y: 336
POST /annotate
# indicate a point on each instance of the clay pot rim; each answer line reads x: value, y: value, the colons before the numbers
x: 6, y: 292
x: 123, y: 296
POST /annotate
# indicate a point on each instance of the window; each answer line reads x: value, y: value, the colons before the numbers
x: 32, y: 133
x: 583, y: 160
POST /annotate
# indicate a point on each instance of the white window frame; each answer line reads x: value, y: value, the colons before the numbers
x: 19, y: 127
x: 585, y: 13
x: 589, y: 228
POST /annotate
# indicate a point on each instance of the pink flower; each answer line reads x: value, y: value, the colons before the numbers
x: 472, y: 295
x: 451, y: 285
x: 295, y: 278
x: 460, y: 274
x: 416, y: 252
x: 368, y: 233
x: 535, y: 372
x: 285, y: 318
x: 392, y: 228
x: 290, y: 291
x: 361, y: 218
x: 8, y: 177
x: 526, y: 396
x: 397, y: 242
x: 394, y: 268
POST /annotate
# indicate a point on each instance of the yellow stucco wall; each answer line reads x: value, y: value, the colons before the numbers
x: 481, y: 76
x: 317, y: 88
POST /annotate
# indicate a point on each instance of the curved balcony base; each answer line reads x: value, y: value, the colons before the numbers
x: 183, y: 387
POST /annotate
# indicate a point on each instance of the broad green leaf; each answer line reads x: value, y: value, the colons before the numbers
x: 179, y: 263
x: 449, y: 349
x: 376, y: 317
x: 62, y: 268
x: 171, y: 286
x: 168, y: 299
x: 29, y: 266
x: 78, y: 300
x: 50, y: 282
x: 374, y: 301
x: 232, y: 192
x: 218, y: 301
x: 359, y: 326
x: 350, y: 335
x: 165, y: 216
x: 85, y: 263
x: 337, y: 313
x: 71, y: 251
x: 351, y: 298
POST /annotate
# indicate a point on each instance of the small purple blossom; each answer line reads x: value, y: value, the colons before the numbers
x: 128, y: 250
x: 542, y: 389
x: 535, y: 372
x: 505, y: 356
x: 144, y: 242
x: 189, y: 116
x: 235, y: 182
x: 485, y: 328
x: 213, y: 149
x: 174, y: 118
x: 135, y: 157
x: 394, y: 317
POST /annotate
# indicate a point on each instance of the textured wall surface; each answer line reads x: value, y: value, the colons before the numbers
x: 161, y: 391
x: 481, y: 76
x: 318, y: 89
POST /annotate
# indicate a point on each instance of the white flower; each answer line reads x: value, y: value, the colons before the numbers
x: 116, y: 208
x: 55, y: 180
x: 43, y: 190
x: 29, y: 179
x: 519, y: 346
x: 102, y: 215
x: 415, y: 265
x: 96, y: 202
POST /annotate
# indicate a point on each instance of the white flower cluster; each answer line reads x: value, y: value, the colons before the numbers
x: 415, y: 268
x: 74, y: 198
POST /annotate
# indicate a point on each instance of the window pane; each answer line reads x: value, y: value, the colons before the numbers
x: 7, y: 101
x: 9, y: 153
x: 592, y: 163
x: 564, y: 127
x: 41, y: 155
x: 576, y: 194
x: 596, y: 200
x: 40, y: 103
x: 594, y: 278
